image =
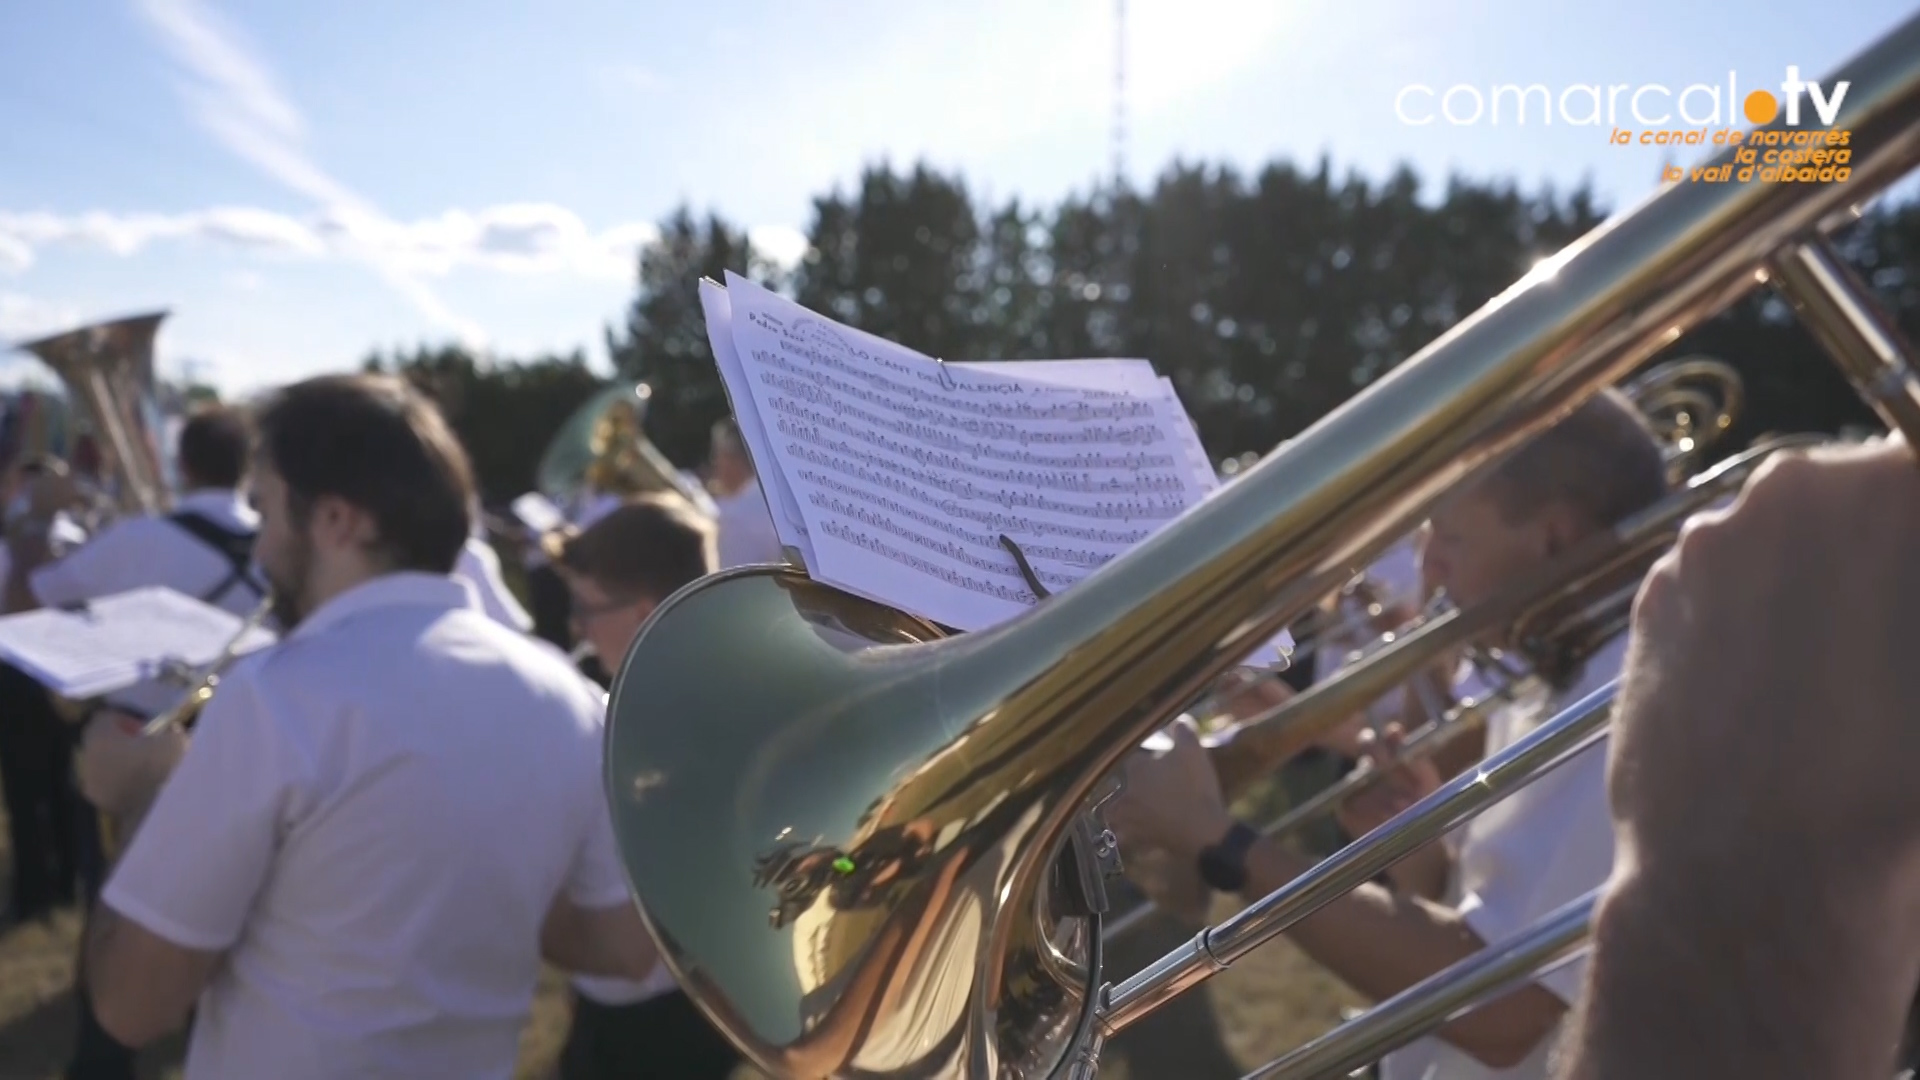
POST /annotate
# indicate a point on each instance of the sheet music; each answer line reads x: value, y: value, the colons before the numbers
x: 788, y: 523
x: 905, y: 471
x: 118, y: 641
x: 537, y: 512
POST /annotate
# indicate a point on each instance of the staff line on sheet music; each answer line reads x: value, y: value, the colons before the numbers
x: 1077, y: 557
x: 1076, y: 406
x: 1161, y: 509
x: 1079, y: 483
x: 968, y: 582
x: 991, y: 519
x: 953, y: 444
x: 999, y: 564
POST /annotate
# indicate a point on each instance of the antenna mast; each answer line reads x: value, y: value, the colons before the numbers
x: 1119, y: 93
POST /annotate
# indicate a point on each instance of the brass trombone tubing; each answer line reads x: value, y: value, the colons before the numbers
x: 1425, y: 741
x: 199, y: 692
x: 1428, y: 739
x: 1459, y: 800
x: 1431, y: 1003
x: 1837, y: 310
x: 1252, y: 748
x: 1852, y: 329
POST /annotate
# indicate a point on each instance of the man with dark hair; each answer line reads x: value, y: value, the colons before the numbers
x: 617, y: 572
x: 204, y: 548
x: 353, y: 871
x: 1539, y: 849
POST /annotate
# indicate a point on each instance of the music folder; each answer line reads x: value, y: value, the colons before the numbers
x: 108, y: 645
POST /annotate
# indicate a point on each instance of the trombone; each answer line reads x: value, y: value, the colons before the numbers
x: 883, y: 857
x: 1558, y: 615
x: 200, y: 686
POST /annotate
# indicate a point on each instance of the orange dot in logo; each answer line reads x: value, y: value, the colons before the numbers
x: 1761, y: 108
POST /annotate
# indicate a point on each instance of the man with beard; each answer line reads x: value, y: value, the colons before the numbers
x: 384, y: 823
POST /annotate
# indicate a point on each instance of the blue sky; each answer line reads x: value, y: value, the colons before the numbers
x: 301, y: 183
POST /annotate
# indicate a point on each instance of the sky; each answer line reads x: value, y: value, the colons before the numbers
x: 302, y: 183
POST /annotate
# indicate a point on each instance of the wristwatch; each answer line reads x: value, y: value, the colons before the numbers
x: 1223, y: 865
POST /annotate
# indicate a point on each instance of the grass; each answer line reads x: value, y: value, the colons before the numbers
x: 1270, y: 1002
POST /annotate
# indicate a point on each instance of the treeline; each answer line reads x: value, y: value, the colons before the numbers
x: 1268, y: 299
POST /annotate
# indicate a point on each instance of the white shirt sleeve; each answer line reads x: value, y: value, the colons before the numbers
x: 1554, y: 857
x: 597, y: 878
x: 100, y: 567
x: 199, y: 859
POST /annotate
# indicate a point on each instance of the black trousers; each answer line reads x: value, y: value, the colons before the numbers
x: 662, y: 1038
x: 96, y: 1054
x: 36, y: 769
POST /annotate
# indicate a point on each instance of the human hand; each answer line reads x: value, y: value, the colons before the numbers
x: 1398, y: 785
x: 1171, y: 800
x: 120, y: 770
x: 1764, y: 733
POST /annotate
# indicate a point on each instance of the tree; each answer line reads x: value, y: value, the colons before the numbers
x: 504, y: 413
x: 900, y: 258
x: 664, y: 341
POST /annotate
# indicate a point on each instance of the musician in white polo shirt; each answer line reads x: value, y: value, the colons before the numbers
x: 747, y: 536
x: 617, y: 571
x: 386, y: 821
x: 203, y: 548
x: 479, y: 569
x: 1539, y: 849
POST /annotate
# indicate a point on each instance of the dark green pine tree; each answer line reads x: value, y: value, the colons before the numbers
x: 664, y: 341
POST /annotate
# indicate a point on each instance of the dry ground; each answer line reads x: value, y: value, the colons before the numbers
x: 1270, y: 1002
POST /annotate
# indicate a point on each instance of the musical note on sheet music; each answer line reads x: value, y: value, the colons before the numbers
x: 895, y: 475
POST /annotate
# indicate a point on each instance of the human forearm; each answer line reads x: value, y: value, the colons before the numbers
x: 1424, y: 873
x: 1811, y: 977
x: 1377, y: 942
x: 598, y: 941
x: 1381, y: 943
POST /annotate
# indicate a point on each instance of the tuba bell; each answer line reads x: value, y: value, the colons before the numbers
x: 107, y: 370
x: 108, y: 373
x: 880, y: 856
x: 603, y: 449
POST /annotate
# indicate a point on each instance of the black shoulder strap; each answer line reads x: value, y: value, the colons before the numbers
x: 236, y: 546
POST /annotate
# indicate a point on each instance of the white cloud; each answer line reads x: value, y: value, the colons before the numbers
x: 779, y: 243
x: 528, y: 238
x: 15, y: 254
x: 235, y: 97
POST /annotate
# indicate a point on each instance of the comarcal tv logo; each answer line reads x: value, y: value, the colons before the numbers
x: 1793, y: 140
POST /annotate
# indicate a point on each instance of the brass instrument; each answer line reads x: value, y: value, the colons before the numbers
x: 1689, y: 403
x: 881, y: 855
x: 199, y: 687
x: 107, y: 369
x: 1556, y: 618
x: 603, y: 448
x: 1692, y: 402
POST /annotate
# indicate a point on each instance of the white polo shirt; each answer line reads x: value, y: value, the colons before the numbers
x: 138, y: 552
x: 372, y: 822
x: 479, y: 570
x: 747, y: 536
x: 1525, y: 856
